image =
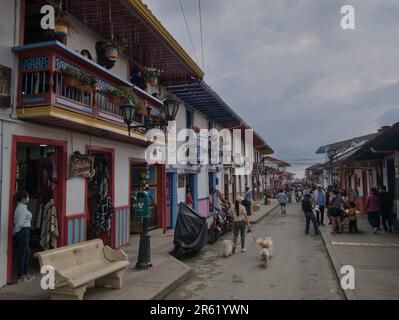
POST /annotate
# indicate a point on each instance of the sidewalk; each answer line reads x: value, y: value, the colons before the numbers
x: 263, y: 211
x: 375, y: 259
x: 155, y: 283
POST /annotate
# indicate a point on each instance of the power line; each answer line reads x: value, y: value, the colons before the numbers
x: 188, y: 29
x: 202, y: 41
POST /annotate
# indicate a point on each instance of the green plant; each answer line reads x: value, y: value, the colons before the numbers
x: 87, y: 79
x: 113, y: 45
x: 151, y: 73
x: 126, y: 92
x: 72, y: 72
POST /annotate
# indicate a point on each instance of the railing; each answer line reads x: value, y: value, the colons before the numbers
x: 42, y: 82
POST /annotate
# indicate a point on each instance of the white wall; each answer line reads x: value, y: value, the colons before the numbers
x: 75, y: 187
x: 85, y: 38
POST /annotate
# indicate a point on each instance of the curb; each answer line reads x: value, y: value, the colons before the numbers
x: 264, y: 215
x: 348, y: 294
x: 174, y: 283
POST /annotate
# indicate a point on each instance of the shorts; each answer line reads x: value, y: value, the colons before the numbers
x: 335, y: 212
x: 283, y: 204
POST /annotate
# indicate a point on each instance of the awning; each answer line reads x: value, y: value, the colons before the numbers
x: 202, y: 98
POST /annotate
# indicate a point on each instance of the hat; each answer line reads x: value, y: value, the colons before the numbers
x: 239, y: 198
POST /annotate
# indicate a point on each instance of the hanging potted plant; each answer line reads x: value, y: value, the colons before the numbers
x: 111, y: 50
x: 87, y: 81
x: 141, y: 109
x: 72, y: 76
x: 151, y: 75
x: 63, y: 26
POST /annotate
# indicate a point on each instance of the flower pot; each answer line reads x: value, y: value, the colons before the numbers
x: 86, y: 88
x: 111, y: 53
x: 141, y: 111
x: 61, y: 29
x: 115, y: 100
x: 153, y: 81
x: 72, y: 82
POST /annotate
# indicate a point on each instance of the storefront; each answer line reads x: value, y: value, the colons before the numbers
x: 38, y: 166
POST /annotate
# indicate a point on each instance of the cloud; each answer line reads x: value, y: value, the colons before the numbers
x: 289, y: 69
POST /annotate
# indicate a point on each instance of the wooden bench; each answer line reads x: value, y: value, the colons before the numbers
x: 77, y: 265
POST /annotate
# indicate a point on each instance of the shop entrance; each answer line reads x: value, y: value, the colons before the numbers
x: 38, y: 166
x: 138, y: 182
x: 100, y: 197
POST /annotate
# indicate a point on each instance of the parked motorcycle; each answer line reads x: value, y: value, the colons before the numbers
x: 221, y: 224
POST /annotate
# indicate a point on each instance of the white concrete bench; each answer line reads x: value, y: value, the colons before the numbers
x: 77, y: 265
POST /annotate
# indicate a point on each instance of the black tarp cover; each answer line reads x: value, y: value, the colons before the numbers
x: 191, y: 232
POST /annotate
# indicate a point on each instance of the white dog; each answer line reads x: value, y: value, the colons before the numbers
x: 264, y: 257
x: 227, y: 248
x: 266, y: 243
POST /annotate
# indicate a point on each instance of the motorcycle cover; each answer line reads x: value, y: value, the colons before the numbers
x: 191, y: 233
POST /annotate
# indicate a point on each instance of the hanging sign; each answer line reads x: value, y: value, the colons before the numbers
x: 81, y: 165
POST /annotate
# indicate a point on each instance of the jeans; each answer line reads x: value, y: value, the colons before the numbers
x: 387, y: 217
x: 374, y: 219
x: 239, y: 227
x: 320, y: 216
x: 310, y: 217
x: 248, y: 208
x: 23, y: 239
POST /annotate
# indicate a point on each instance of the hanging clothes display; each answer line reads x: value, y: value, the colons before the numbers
x: 100, y: 203
x: 49, y: 230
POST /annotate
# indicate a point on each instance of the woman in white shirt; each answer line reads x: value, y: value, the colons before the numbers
x: 22, y: 225
x: 239, y: 215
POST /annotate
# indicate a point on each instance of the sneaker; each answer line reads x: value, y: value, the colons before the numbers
x: 30, y: 276
x: 243, y: 250
x: 375, y: 230
x: 23, y: 279
x: 234, y: 249
x: 322, y: 224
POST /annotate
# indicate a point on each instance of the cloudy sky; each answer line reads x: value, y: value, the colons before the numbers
x: 289, y: 69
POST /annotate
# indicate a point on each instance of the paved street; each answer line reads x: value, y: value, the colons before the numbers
x: 299, y: 269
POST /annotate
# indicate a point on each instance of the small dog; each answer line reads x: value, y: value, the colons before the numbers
x: 227, y: 248
x: 264, y: 257
x: 266, y: 243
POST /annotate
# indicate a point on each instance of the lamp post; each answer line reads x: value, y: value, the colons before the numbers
x: 128, y: 110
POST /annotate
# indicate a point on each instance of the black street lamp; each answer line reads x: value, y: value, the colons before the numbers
x: 128, y: 111
x: 331, y: 153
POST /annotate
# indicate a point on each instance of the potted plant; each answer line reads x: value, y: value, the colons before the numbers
x: 151, y: 75
x: 87, y: 81
x: 63, y: 25
x: 111, y: 50
x: 72, y: 76
x: 119, y: 94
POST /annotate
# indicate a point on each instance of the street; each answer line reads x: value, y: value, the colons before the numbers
x: 299, y: 269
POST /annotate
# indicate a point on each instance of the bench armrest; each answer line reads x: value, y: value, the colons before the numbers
x: 114, y: 255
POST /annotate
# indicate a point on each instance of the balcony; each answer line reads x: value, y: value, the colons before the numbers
x: 257, y: 167
x: 45, y: 96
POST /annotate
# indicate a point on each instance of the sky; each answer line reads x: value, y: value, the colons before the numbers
x: 290, y: 70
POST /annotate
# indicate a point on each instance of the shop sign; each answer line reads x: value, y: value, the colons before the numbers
x: 82, y: 165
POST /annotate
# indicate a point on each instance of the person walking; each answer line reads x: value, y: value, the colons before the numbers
x: 373, y: 209
x: 307, y: 208
x: 282, y: 199
x: 335, y: 212
x: 247, y: 202
x: 240, y: 221
x: 21, y: 231
x: 319, y: 197
x: 386, y: 209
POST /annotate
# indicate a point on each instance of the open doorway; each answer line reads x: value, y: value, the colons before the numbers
x: 38, y: 167
x: 100, y: 197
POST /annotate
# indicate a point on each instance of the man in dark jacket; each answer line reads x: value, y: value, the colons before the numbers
x: 386, y: 209
x: 307, y: 208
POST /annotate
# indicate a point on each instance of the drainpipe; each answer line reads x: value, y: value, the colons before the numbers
x: 14, y: 77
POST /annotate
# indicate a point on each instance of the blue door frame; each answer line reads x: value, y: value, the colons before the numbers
x: 172, y: 198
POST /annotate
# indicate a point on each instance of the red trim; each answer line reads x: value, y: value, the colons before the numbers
x: 111, y: 154
x: 61, y: 205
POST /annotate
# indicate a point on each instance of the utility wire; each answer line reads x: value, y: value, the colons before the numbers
x: 188, y: 29
x: 202, y: 41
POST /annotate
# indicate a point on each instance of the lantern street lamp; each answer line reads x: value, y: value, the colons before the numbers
x: 128, y: 110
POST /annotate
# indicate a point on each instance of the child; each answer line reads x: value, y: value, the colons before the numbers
x: 352, y: 214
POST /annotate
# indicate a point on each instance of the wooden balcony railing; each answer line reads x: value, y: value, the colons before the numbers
x: 42, y: 82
